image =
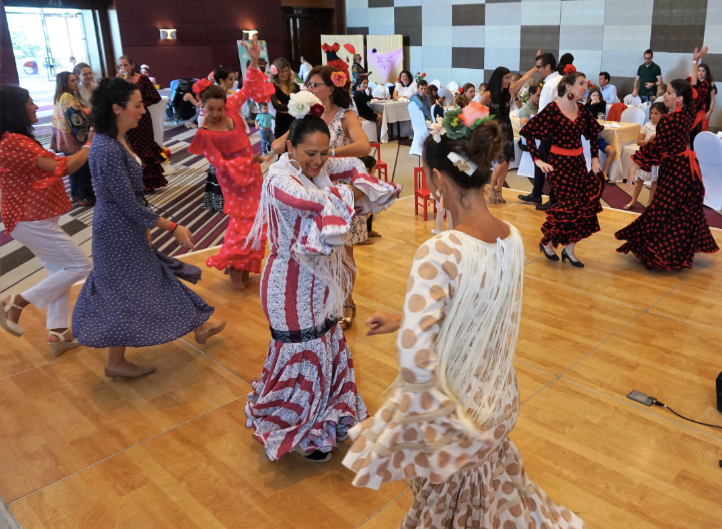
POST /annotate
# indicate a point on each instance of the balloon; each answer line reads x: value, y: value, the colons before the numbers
x: 350, y: 48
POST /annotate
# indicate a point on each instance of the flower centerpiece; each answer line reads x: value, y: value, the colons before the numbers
x: 418, y: 77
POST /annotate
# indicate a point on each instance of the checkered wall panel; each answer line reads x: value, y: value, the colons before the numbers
x: 465, y: 40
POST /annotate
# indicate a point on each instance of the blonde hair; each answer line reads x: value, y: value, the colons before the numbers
x: 280, y: 64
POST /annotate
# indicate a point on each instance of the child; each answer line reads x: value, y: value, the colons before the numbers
x: 145, y: 70
x: 263, y: 123
x: 661, y: 89
x: 656, y: 111
x: 370, y: 163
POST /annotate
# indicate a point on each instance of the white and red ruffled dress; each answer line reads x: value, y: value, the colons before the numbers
x: 306, y: 395
x: 239, y: 178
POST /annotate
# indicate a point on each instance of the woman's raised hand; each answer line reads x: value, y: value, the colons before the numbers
x: 699, y: 53
x: 254, y: 50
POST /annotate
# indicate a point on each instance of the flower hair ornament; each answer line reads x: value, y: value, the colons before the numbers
x: 304, y: 103
x: 569, y: 68
x: 144, y: 67
x: 339, y: 79
x: 462, y: 163
x: 201, y: 85
x: 273, y: 70
x: 459, y: 123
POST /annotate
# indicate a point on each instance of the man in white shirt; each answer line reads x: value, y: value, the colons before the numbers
x: 609, y: 91
x: 546, y: 67
x: 305, y: 68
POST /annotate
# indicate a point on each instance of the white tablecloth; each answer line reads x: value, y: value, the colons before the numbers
x: 393, y: 112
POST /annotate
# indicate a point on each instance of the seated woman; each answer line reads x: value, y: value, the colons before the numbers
x: 361, y: 98
x: 405, y: 86
x: 598, y: 107
x: 467, y: 95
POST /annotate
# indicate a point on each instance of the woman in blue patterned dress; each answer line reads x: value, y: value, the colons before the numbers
x: 132, y: 297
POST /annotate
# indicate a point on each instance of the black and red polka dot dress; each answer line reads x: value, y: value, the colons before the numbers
x: 573, y: 216
x: 673, y: 227
x: 142, y: 140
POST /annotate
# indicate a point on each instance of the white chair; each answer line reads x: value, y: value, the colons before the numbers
x: 418, y: 123
x: 157, y: 115
x: 380, y: 92
x: 369, y: 128
x: 708, y: 148
x: 633, y: 115
x: 526, y: 164
x: 632, y: 100
x: 372, y: 86
x: 627, y: 153
x: 436, y: 83
x: 445, y: 92
x: 453, y: 86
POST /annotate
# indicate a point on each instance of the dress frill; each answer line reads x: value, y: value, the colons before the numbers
x: 306, y: 396
x: 235, y: 252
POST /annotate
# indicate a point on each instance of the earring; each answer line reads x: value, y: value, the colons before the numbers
x: 570, y: 96
x: 438, y: 193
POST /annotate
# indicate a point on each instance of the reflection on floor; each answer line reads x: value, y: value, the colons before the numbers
x: 80, y: 451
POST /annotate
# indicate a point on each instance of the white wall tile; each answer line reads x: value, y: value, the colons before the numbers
x: 357, y: 4
x: 624, y: 38
x: 714, y: 12
x: 495, y: 57
x: 443, y: 74
x: 437, y: 36
x: 381, y: 16
x: 713, y: 38
x: 436, y: 15
x: 407, y: 3
x: 541, y: 13
x: 435, y: 2
x: 503, y: 37
x: 673, y: 65
x: 581, y: 37
x: 460, y: 2
x: 504, y: 14
x: 435, y: 56
x: 583, y: 13
x: 622, y: 63
x: 587, y: 61
x: 382, y: 30
x: 628, y: 12
x: 415, y: 55
x: 357, y: 18
x: 467, y: 75
x: 468, y: 37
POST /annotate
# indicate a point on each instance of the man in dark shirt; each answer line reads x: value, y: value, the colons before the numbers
x: 649, y: 75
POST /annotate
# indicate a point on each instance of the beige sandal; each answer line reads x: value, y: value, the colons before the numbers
x: 500, y: 198
x: 119, y: 375
x: 491, y: 195
x: 367, y: 242
x: 345, y: 322
x: 10, y: 326
x: 62, y: 345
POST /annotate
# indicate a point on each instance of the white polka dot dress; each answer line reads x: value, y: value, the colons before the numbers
x: 131, y: 298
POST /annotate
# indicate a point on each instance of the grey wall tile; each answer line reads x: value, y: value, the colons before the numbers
x: 683, y: 39
x: 381, y: 3
x: 544, y: 37
x: 412, y: 34
x: 468, y: 15
x: 676, y: 12
x: 467, y: 58
x: 527, y: 56
x: 357, y: 31
x: 407, y: 16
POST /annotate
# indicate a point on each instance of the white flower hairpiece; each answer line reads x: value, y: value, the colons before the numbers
x: 462, y: 163
x: 300, y: 103
x: 436, y: 129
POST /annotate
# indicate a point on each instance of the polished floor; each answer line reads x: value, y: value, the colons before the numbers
x: 78, y: 450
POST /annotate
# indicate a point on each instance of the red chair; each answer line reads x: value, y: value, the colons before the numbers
x: 422, y: 192
x: 381, y: 167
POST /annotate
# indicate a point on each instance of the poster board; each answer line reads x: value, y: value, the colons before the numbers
x: 346, y: 44
x: 385, y: 57
x: 263, y: 63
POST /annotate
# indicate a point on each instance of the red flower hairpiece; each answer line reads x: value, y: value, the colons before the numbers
x: 201, y: 85
x: 316, y: 110
x: 570, y: 68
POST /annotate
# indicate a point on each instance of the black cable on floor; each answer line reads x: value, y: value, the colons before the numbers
x: 661, y: 404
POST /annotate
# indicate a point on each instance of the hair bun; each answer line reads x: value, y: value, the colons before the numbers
x: 485, y: 144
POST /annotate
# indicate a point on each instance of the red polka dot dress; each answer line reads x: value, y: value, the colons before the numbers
x: 673, y: 227
x: 573, y: 216
x: 240, y: 179
x: 142, y: 141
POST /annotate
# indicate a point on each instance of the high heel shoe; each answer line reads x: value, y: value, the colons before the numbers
x: 62, y: 345
x: 500, y: 198
x: 12, y: 327
x: 575, y: 264
x: 345, y: 322
x: 553, y: 257
x: 119, y: 375
x: 491, y: 195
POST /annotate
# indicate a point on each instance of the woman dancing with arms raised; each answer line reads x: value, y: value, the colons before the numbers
x: 445, y: 426
x: 673, y: 227
x: 306, y: 397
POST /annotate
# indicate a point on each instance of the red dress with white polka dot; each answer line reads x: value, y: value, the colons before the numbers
x: 26, y: 191
x: 240, y: 179
x: 573, y: 216
x: 673, y: 226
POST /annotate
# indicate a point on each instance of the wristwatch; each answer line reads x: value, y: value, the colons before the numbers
x: 333, y: 153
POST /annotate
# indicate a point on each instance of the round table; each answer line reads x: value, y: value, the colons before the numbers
x: 393, y: 112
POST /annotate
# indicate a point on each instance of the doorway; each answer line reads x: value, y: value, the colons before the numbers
x: 302, y: 34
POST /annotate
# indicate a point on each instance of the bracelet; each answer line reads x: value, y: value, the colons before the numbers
x: 86, y: 146
x: 333, y: 153
x: 172, y: 227
x: 694, y: 62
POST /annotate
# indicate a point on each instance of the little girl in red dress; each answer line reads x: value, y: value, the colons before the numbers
x: 224, y: 142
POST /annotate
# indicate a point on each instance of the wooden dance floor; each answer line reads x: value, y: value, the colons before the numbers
x: 171, y: 450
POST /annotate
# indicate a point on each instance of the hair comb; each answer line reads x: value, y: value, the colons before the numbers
x: 462, y: 163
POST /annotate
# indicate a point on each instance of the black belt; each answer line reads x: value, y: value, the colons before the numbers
x: 303, y: 335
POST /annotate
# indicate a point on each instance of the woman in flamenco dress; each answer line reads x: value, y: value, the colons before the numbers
x: 141, y: 139
x: 445, y: 426
x: 306, y: 398
x: 673, y: 227
x: 223, y: 141
x: 563, y: 122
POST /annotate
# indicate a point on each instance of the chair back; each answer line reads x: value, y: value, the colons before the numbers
x: 445, y: 92
x: 372, y: 86
x: 436, y: 83
x: 418, y: 124
x: 157, y: 116
x: 615, y: 111
x: 420, y: 179
x: 453, y: 86
x: 633, y: 115
x: 369, y: 128
x: 632, y: 100
x: 708, y: 148
x: 380, y: 92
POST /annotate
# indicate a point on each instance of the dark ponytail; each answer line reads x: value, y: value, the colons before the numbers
x: 221, y: 73
x: 482, y: 147
x: 683, y: 89
x: 109, y: 92
x: 568, y: 79
x: 300, y: 128
x: 14, y: 117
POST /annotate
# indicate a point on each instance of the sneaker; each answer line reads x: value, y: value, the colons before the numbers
x: 531, y: 199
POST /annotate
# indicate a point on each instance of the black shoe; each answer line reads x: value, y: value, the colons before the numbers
x: 575, y: 264
x: 553, y: 257
x: 544, y: 207
x: 319, y: 457
x: 531, y: 199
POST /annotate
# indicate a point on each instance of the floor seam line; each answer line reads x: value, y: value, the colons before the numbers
x: 382, y: 508
x: 216, y: 362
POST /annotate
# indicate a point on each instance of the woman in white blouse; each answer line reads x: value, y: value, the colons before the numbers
x: 405, y: 86
x: 84, y: 73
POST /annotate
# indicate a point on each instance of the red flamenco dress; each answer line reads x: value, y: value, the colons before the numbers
x: 239, y: 178
x: 673, y: 226
x: 578, y: 191
x: 142, y: 141
x: 333, y: 60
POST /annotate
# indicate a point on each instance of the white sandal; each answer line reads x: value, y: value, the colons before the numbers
x: 62, y: 345
x: 10, y: 326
